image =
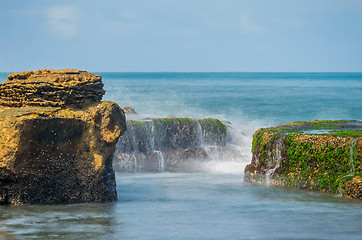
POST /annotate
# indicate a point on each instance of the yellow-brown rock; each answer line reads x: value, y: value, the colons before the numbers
x: 51, y: 88
x: 58, y: 154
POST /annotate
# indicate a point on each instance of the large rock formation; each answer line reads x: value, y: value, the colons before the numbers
x: 318, y: 155
x: 174, y: 145
x: 57, y: 138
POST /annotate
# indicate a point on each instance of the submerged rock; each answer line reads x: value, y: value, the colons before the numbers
x: 317, y: 155
x: 129, y: 110
x: 59, y: 154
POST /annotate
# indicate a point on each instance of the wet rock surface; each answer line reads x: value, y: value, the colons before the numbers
x: 173, y: 145
x: 318, y: 155
x: 60, y: 154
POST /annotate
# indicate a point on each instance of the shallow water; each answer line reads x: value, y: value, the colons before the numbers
x: 210, y: 205
x: 190, y: 206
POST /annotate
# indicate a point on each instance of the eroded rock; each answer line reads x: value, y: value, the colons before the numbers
x: 51, y: 88
x: 59, y: 154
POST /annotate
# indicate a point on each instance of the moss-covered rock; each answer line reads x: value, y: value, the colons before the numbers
x: 177, y: 142
x: 317, y: 155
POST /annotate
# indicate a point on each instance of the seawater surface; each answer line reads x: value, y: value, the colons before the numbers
x: 210, y: 205
x: 190, y: 206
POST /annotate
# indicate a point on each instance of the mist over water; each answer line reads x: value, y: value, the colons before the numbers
x: 248, y: 100
x: 216, y: 204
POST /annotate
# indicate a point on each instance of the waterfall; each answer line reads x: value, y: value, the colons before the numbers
x: 200, y: 135
x: 276, y: 159
x: 352, y: 152
x: 161, y: 161
x: 135, y: 163
x: 152, y: 137
x: 185, y: 144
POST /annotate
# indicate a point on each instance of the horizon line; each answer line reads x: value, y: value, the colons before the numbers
x: 198, y: 71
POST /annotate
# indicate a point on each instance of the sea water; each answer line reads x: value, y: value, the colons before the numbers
x: 210, y: 205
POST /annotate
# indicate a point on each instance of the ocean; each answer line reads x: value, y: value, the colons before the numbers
x: 214, y: 204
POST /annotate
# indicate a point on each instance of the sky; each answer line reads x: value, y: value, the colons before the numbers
x: 182, y: 35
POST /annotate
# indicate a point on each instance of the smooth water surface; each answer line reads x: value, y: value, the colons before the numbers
x: 190, y: 206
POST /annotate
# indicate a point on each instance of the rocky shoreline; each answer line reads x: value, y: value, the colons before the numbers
x: 58, y: 142
x: 318, y: 155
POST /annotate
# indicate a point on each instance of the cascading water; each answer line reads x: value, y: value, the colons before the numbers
x: 161, y: 161
x: 352, y: 155
x: 200, y: 134
x: 276, y: 160
x: 176, y: 145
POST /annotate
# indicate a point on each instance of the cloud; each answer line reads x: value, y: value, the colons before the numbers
x: 62, y: 20
x: 248, y: 26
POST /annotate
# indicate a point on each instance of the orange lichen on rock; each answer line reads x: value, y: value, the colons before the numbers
x: 353, y: 188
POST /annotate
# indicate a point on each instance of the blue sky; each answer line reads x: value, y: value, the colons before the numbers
x: 182, y: 35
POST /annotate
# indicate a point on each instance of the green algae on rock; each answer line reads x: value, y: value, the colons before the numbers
x: 317, y: 155
x: 171, y: 144
x: 60, y: 154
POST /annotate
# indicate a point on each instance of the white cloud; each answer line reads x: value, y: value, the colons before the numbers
x: 248, y: 26
x: 62, y: 20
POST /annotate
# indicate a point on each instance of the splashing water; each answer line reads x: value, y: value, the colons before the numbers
x: 172, y: 144
x: 161, y: 161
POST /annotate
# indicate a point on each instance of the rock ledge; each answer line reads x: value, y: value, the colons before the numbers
x: 57, y: 139
x: 51, y: 88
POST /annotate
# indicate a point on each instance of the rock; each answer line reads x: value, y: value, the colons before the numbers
x: 318, y: 155
x: 51, y: 88
x: 172, y: 144
x: 353, y: 188
x: 59, y: 154
x: 129, y: 110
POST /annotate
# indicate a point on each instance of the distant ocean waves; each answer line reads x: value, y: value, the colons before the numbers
x: 249, y: 100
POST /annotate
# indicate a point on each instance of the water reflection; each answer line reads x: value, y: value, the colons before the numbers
x: 78, y: 221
